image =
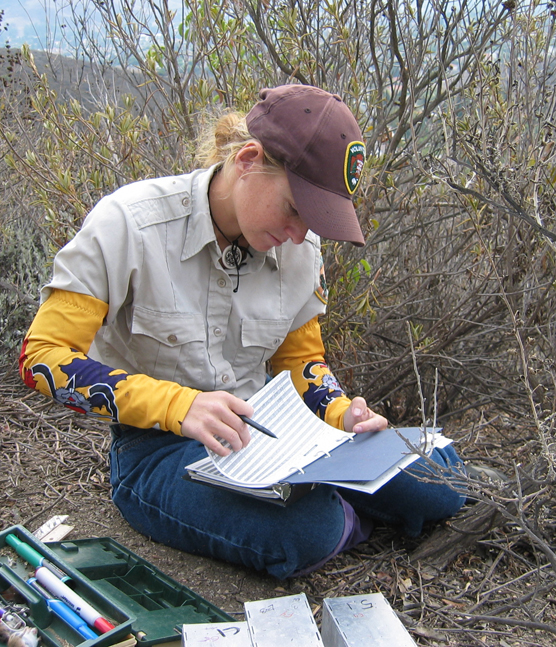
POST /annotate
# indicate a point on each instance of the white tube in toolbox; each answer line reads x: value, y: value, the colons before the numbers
x: 71, y: 598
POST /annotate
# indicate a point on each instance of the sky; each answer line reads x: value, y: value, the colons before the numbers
x: 34, y: 22
x: 26, y: 21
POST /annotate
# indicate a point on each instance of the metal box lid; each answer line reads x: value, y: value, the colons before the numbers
x: 362, y: 621
x: 283, y: 621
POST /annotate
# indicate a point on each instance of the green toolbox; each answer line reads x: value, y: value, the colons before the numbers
x: 134, y: 601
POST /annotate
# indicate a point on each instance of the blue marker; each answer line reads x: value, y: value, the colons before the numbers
x: 62, y: 610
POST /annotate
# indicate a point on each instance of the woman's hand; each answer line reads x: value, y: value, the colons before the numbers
x: 214, y: 416
x: 359, y: 418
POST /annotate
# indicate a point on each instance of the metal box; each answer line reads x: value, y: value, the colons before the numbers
x: 229, y: 634
x: 283, y: 621
x: 362, y: 621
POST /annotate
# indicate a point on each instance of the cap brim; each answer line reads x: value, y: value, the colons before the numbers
x: 327, y: 214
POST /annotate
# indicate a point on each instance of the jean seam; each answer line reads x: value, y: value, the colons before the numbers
x: 137, y: 441
x: 219, y: 538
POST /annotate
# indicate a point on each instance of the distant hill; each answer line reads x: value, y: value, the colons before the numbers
x: 93, y: 86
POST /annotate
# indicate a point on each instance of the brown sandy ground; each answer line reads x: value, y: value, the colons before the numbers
x: 498, y: 591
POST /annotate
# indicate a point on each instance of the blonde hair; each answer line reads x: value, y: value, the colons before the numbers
x: 222, y: 140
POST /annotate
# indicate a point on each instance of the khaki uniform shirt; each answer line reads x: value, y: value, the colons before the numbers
x: 149, y: 251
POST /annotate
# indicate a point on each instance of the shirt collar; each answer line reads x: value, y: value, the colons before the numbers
x: 200, y: 231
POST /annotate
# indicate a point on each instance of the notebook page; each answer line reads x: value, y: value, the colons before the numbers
x: 302, y: 438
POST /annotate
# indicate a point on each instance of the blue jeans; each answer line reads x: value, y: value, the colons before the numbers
x: 147, y: 466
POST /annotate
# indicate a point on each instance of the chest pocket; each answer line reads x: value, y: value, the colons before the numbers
x: 260, y: 339
x: 163, y: 343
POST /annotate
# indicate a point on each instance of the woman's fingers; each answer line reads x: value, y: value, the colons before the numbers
x: 214, y: 417
x: 359, y: 418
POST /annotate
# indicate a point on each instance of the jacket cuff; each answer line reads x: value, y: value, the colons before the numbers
x: 335, y: 411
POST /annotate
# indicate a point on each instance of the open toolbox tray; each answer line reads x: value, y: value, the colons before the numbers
x: 127, y: 590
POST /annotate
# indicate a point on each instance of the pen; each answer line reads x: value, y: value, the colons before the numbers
x: 257, y: 426
x: 62, y: 610
x: 74, y: 601
x: 32, y: 556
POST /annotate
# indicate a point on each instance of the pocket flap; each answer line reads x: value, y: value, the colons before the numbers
x: 169, y: 328
x: 267, y: 333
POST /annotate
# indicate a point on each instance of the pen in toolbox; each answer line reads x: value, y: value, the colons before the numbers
x: 62, y: 610
x: 33, y: 556
x: 73, y: 600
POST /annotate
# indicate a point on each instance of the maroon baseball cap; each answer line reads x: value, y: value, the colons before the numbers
x: 315, y: 135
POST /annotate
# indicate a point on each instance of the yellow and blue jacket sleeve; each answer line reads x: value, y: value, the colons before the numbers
x: 54, y: 361
x: 302, y: 353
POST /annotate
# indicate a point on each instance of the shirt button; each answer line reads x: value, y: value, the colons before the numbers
x: 218, y: 331
x: 225, y: 378
x: 221, y: 283
x: 185, y: 201
x: 172, y: 339
x: 276, y: 342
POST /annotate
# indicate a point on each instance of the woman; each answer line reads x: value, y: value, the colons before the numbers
x: 165, y: 308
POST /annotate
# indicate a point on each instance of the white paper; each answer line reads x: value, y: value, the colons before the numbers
x: 302, y: 438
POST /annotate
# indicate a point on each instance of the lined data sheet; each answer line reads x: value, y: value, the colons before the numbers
x: 302, y: 437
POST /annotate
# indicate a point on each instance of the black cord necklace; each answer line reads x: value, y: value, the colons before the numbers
x: 233, y: 255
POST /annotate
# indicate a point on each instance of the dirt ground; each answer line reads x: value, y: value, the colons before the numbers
x: 499, y: 591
